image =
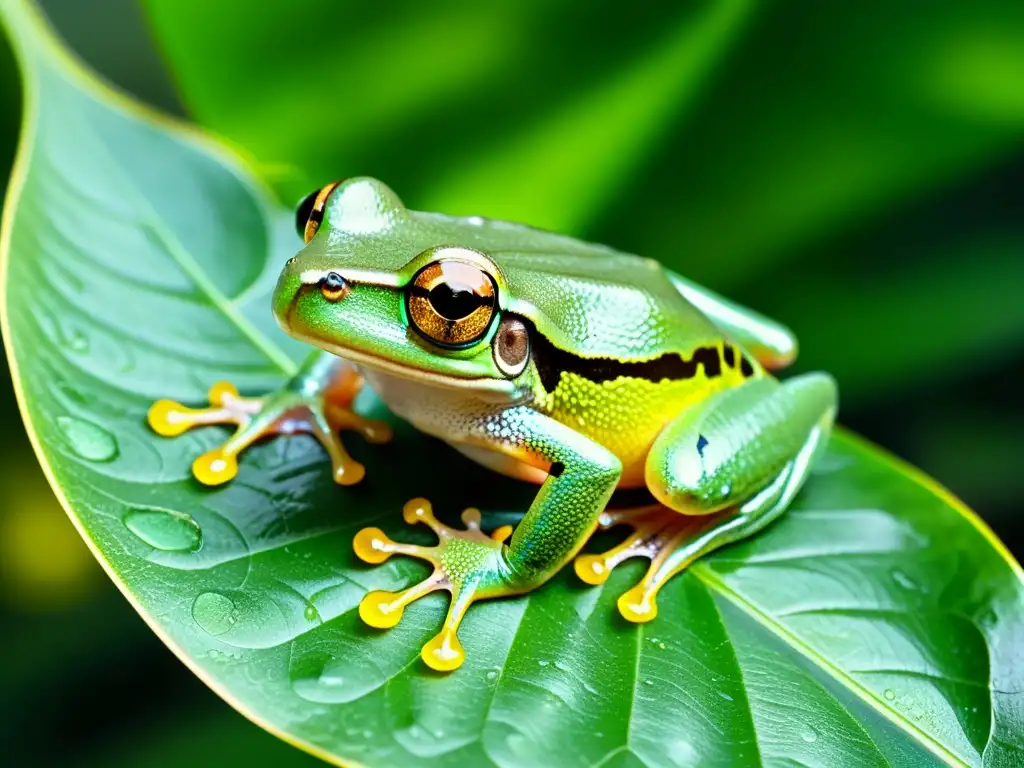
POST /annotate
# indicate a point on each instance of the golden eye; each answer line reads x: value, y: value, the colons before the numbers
x: 311, y: 211
x: 451, y: 302
x: 511, y: 346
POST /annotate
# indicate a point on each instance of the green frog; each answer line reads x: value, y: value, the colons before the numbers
x: 560, y: 362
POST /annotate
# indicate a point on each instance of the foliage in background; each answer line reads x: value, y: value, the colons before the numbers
x: 856, y: 173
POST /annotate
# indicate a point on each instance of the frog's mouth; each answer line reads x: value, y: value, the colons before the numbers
x: 404, y: 371
x: 478, y: 384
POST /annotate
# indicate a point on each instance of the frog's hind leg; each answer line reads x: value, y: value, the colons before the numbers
x: 316, y: 401
x: 717, y: 507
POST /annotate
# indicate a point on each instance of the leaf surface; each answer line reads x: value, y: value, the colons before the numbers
x: 879, y: 623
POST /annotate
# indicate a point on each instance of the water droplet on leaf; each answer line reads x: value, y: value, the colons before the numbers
x: 890, y: 694
x: 810, y: 735
x: 165, y: 529
x: 88, y: 440
x: 214, y: 612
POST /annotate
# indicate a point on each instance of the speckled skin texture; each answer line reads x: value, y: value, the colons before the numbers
x: 636, y: 377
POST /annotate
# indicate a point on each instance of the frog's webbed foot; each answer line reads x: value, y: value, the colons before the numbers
x: 288, y: 411
x: 469, y: 564
x: 659, y: 534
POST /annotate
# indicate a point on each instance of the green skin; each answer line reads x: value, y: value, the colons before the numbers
x: 738, y: 441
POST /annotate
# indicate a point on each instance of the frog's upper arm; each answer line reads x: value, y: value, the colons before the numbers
x: 772, y: 343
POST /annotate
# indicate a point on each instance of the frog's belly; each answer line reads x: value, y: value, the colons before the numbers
x: 499, y: 462
x: 451, y: 414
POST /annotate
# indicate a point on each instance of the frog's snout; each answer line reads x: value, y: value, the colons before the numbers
x: 288, y: 286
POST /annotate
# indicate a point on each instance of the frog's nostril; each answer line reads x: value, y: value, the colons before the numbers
x: 334, y: 287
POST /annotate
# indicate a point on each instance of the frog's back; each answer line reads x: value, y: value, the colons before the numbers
x: 585, y: 298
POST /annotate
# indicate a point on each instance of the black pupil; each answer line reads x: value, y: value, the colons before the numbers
x: 454, y: 301
x: 304, y: 211
x: 334, y: 281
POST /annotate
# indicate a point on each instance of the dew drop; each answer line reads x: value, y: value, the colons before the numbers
x: 810, y: 735
x: 311, y: 613
x: 165, y: 529
x: 88, y: 440
x: 648, y: 682
x: 543, y: 662
x: 725, y: 695
x: 492, y: 674
x: 214, y: 612
x: 890, y: 694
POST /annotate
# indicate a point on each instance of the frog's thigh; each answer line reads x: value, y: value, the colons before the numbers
x: 763, y: 423
x: 726, y: 449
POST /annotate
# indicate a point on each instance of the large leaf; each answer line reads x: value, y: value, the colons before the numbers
x: 878, y: 623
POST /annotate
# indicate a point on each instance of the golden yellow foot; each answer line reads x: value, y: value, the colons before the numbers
x: 469, y: 564
x: 660, y: 535
x: 285, y: 412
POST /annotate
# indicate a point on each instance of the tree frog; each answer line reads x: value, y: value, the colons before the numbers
x: 560, y: 362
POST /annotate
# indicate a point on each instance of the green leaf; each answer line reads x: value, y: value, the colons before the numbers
x: 879, y: 623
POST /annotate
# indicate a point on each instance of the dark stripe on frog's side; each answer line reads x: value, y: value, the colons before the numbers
x: 551, y: 361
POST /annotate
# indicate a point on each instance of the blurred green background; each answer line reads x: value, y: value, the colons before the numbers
x: 857, y: 172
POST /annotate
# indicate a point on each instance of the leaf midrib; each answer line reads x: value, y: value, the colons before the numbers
x: 178, y: 253
x: 710, y: 579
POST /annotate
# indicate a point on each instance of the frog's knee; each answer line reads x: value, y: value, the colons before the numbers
x: 676, y: 476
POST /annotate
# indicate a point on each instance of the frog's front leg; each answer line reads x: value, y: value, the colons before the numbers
x: 317, y: 400
x: 473, y: 566
x: 730, y: 465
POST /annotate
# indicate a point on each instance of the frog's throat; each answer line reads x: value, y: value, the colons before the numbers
x: 502, y: 387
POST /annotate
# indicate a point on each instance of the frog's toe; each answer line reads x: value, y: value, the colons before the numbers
x: 468, y: 563
x: 286, y: 412
x: 657, y: 533
x: 215, y: 467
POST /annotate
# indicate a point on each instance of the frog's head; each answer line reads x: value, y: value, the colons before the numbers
x: 385, y: 291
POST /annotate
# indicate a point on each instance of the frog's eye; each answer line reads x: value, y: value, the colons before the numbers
x: 451, y: 302
x: 511, y: 346
x: 310, y: 212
